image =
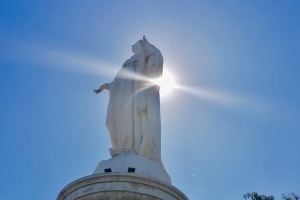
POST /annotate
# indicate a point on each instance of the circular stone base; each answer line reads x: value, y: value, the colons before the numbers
x: 134, y: 164
x: 120, y: 186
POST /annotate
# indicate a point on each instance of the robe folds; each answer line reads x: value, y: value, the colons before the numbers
x: 133, y: 113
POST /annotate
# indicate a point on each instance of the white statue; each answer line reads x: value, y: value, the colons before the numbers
x: 133, y: 114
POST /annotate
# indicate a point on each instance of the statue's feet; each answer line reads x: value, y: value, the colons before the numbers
x: 115, y: 152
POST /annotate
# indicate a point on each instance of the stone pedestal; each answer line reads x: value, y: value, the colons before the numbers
x: 120, y: 186
x: 133, y: 163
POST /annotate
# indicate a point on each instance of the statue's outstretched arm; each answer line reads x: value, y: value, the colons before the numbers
x: 101, y: 88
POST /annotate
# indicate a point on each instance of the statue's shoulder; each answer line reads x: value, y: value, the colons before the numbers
x: 129, y: 61
x: 134, y: 58
x: 137, y: 56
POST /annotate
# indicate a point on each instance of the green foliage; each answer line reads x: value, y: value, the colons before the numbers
x: 290, y: 196
x: 255, y: 196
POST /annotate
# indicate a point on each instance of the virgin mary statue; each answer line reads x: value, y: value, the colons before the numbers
x: 133, y: 113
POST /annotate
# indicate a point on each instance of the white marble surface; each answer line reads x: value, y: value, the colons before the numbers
x: 120, y: 186
x: 142, y: 166
x: 133, y: 114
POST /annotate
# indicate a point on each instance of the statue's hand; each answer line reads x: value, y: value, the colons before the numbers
x: 145, y: 44
x: 147, y: 49
x: 144, y: 38
x: 97, y: 91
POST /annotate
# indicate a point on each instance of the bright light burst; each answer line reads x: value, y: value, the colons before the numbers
x: 166, y: 83
x: 74, y: 61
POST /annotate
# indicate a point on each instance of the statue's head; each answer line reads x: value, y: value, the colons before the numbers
x: 137, y: 47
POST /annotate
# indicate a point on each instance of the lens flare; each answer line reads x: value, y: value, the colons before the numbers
x: 166, y: 83
x: 77, y: 62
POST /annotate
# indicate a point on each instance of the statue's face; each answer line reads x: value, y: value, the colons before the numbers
x: 136, y: 48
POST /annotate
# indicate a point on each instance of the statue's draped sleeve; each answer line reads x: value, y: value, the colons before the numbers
x: 152, y: 141
x: 117, y: 100
x: 110, y: 118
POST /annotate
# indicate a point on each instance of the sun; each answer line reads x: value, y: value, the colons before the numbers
x: 166, y: 83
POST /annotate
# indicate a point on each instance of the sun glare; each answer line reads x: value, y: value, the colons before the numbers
x: 166, y: 83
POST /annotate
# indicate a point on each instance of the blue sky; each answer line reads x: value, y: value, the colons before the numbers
x: 233, y: 128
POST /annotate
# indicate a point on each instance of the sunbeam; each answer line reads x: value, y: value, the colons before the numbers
x: 213, y: 95
x: 80, y: 63
x: 77, y: 62
x: 71, y: 61
x: 228, y: 98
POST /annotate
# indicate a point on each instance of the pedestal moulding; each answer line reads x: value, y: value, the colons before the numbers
x: 120, y: 186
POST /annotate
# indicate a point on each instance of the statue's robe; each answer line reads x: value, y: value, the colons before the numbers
x: 133, y: 114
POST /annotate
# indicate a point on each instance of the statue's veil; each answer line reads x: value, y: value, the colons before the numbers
x: 155, y: 62
x: 154, y: 70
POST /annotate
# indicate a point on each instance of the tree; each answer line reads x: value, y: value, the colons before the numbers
x: 290, y: 196
x: 255, y: 196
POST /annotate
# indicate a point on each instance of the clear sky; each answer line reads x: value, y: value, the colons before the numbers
x: 232, y: 127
